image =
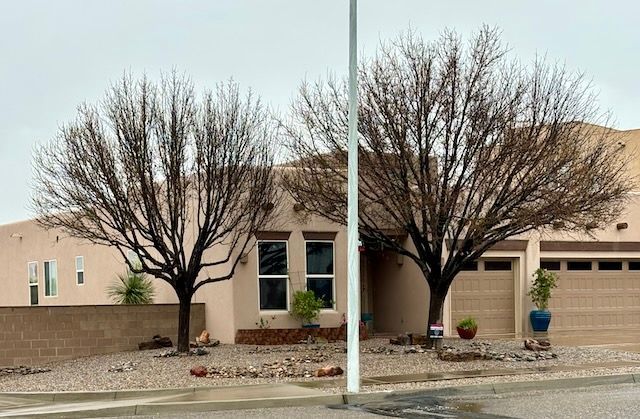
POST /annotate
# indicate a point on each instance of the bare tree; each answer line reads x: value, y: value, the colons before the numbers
x: 179, y: 181
x: 460, y: 147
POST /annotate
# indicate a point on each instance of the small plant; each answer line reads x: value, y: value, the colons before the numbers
x: 132, y: 288
x: 264, y: 323
x: 468, y: 323
x: 540, y: 291
x: 306, y: 306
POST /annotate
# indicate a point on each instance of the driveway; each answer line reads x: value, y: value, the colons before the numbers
x: 628, y: 340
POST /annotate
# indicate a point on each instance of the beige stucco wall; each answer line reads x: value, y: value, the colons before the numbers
x: 245, y: 282
x: 400, y: 294
x: 24, y: 242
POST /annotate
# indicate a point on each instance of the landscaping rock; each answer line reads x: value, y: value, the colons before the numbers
x: 537, y: 345
x: 167, y: 354
x: 124, y: 367
x: 158, y: 342
x: 403, y: 339
x: 460, y: 356
x: 199, y: 371
x: 203, y: 338
x: 23, y: 370
x: 198, y: 352
x: 329, y: 371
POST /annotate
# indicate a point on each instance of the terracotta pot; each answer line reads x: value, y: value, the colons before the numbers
x: 467, y: 333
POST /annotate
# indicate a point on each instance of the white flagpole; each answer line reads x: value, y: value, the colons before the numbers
x: 353, y: 257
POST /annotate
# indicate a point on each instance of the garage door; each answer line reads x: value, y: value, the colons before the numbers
x: 485, y: 291
x: 595, y: 294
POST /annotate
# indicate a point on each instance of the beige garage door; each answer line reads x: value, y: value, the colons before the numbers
x: 595, y: 294
x: 485, y: 291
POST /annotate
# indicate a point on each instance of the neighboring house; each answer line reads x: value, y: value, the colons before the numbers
x: 599, y: 285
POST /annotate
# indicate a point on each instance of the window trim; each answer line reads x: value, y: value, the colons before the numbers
x: 44, y: 277
x: 79, y: 270
x: 285, y: 277
x: 33, y: 284
x: 322, y: 276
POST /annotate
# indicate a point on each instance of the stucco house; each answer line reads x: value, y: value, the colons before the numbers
x: 599, y: 274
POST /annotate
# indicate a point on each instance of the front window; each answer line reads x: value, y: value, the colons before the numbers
x: 320, y: 270
x: 80, y: 270
x: 50, y: 278
x: 273, y: 275
x: 33, y: 283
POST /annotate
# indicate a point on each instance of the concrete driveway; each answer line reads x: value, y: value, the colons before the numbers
x: 626, y: 340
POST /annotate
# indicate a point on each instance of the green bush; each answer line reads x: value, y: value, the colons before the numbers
x: 306, y: 306
x: 131, y: 288
x: 540, y: 292
x: 468, y: 323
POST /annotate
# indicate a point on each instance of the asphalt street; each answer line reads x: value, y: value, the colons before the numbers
x: 617, y: 401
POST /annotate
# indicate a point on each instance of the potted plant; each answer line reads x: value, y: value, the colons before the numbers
x: 306, y: 307
x: 540, y: 293
x: 467, y: 328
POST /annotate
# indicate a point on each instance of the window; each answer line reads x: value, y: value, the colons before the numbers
x: 579, y: 265
x: 634, y: 265
x: 80, y: 270
x: 550, y: 265
x: 273, y: 268
x: 497, y: 265
x: 470, y: 266
x: 50, y: 278
x: 133, y: 259
x: 32, y: 268
x: 609, y: 265
x: 320, y: 271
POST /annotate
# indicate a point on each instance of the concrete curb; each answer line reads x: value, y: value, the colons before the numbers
x: 159, y: 406
x: 346, y: 398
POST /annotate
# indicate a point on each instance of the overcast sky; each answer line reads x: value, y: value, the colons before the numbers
x: 56, y: 54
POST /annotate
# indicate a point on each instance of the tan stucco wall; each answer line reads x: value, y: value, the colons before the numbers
x: 400, y: 294
x: 30, y: 243
x: 245, y: 287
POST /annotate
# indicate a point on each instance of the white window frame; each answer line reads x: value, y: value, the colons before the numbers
x: 308, y: 276
x: 80, y: 270
x: 33, y: 284
x: 44, y: 277
x: 285, y: 277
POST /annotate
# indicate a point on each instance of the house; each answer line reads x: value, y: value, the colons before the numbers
x: 599, y: 272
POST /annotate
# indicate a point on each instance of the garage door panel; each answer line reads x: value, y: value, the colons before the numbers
x: 489, y: 297
x: 596, y: 299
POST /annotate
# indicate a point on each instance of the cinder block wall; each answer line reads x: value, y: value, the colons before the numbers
x: 36, y: 335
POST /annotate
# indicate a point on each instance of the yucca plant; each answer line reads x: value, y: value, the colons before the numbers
x: 132, y: 288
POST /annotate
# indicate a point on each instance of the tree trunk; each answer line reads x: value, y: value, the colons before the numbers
x: 436, y: 303
x: 183, y: 323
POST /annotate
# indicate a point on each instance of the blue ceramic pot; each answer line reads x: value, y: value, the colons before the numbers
x: 540, y: 320
x: 311, y: 326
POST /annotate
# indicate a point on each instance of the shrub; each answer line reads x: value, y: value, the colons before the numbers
x: 540, y: 291
x: 132, y: 288
x: 306, y: 306
x: 468, y: 323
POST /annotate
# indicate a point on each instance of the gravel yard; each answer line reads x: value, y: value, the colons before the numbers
x: 248, y: 364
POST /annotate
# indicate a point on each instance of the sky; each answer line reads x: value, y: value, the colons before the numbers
x: 54, y: 55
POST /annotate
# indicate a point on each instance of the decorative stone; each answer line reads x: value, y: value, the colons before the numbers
x: 124, y: 367
x: 329, y: 371
x: 203, y: 338
x: 158, y: 342
x: 403, y: 339
x: 537, y: 345
x: 199, y: 371
x: 198, y: 352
